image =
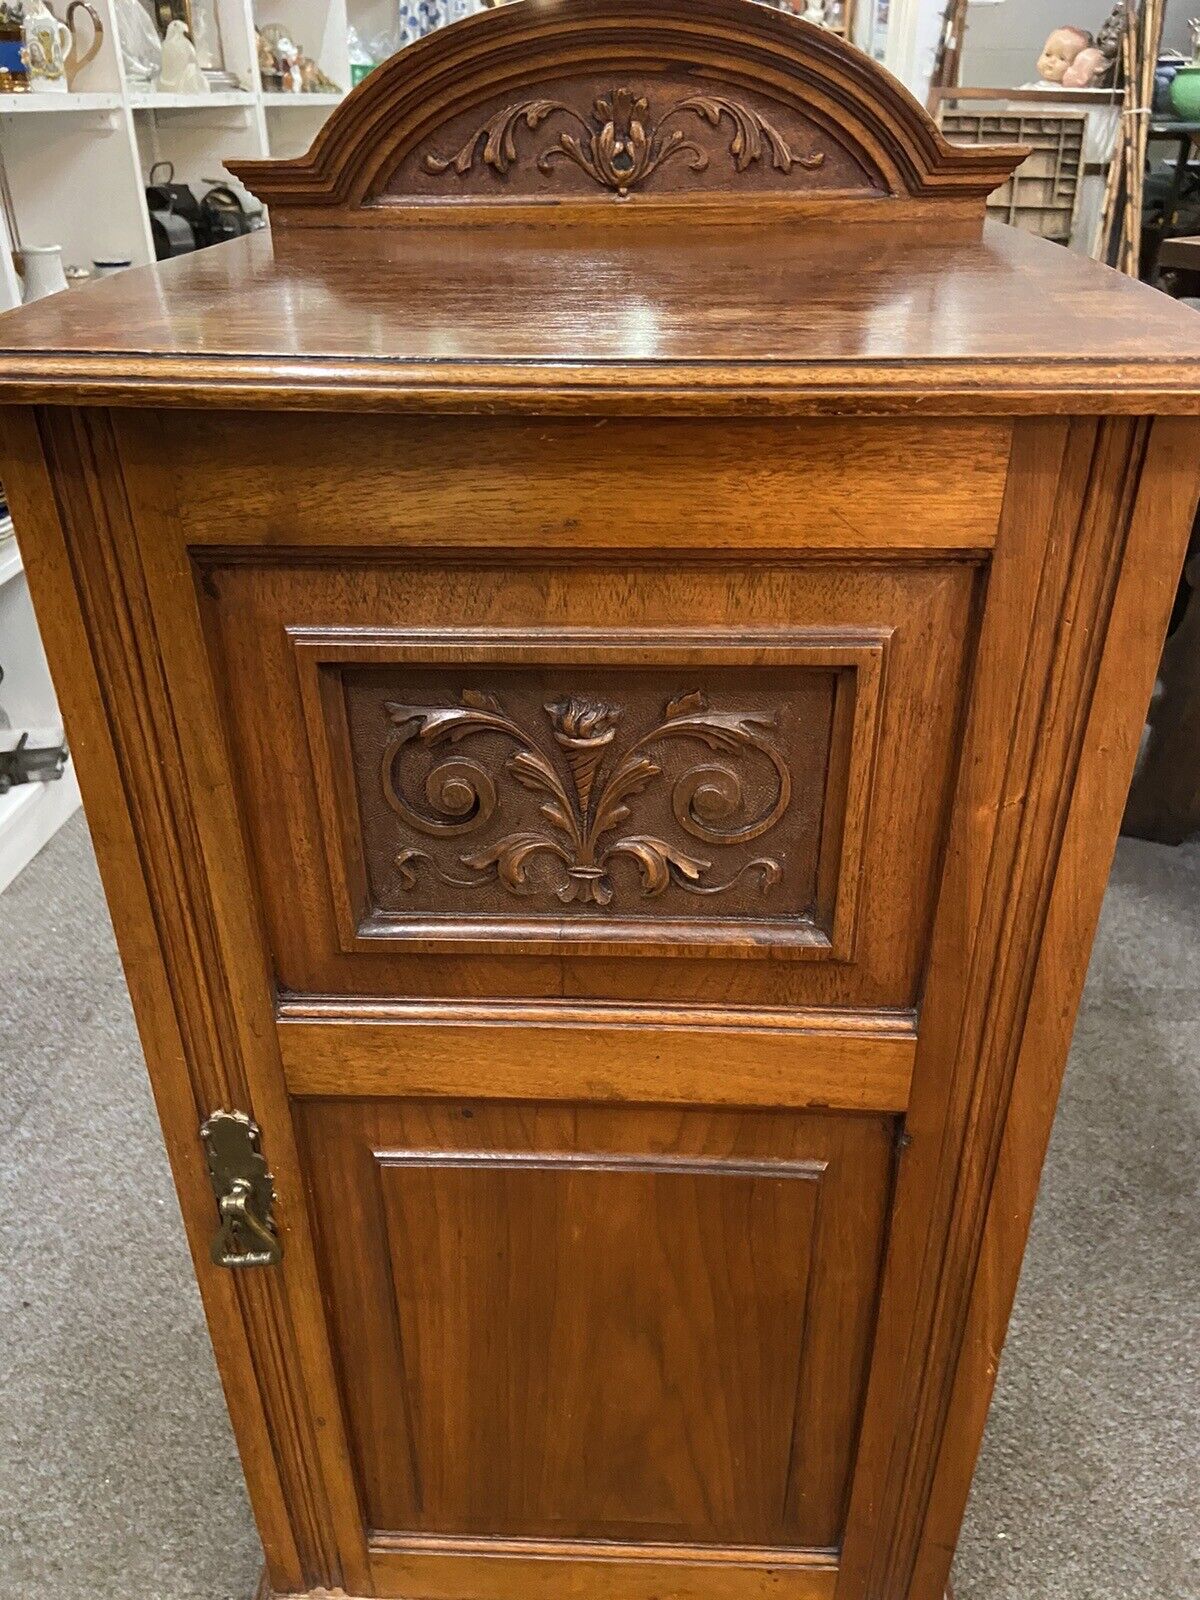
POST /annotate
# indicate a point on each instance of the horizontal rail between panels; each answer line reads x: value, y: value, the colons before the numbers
x: 844, y: 1061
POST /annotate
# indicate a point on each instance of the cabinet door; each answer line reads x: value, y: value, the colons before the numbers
x: 598, y: 937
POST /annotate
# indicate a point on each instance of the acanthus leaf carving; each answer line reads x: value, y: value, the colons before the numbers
x: 463, y: 796
x: 619, y: 147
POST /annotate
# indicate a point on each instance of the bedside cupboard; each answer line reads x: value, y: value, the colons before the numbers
x: 604, y: 656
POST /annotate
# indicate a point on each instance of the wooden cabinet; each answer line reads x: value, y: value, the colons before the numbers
x: 604, y: 660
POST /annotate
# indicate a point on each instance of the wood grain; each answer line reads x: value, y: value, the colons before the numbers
x: 431, y: 320
x: 1073, y: 503
x: 504, y: 1570
x: 1166, y: 499
x: 67, y: 492
x: 554, y: 1049
x: 582, y: 1322
x: 580, y: 485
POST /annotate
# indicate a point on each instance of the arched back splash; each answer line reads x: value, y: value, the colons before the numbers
x: 627, y: 106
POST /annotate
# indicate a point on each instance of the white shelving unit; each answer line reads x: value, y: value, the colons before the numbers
x: 30, y: 813
x: 77, y: 165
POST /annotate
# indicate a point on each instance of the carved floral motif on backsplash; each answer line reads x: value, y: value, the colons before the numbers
x: 619, y: 146
x: 588, y: 792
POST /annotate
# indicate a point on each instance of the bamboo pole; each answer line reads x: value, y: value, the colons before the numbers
x: 1119, y: 233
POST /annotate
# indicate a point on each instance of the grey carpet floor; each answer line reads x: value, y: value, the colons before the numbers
x: 118, y: 1476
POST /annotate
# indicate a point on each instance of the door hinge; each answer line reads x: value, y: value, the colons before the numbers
x: 244, y: 1190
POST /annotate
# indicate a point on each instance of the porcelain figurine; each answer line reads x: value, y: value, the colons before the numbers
x: 268, y: 67
x: 313, y: 80
x: 180, y: 73
x: 48, y: 42
x: 287, y: 56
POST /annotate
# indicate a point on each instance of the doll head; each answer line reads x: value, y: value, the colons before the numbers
x: 1088, y: 67
x: 1059, y: 51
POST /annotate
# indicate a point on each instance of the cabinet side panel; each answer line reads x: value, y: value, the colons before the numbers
x: 75, y: 607
x: 1158, y: 531
x: 171, y: 853
x: 1068, y: 516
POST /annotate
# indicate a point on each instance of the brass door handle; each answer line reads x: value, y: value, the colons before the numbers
x: 243, y: 1240
x: 244, y: 1192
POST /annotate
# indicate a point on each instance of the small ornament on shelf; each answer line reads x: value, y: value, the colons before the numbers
x: 14, y: 55
x: 288, y: 56
x: 283, y: 66
x: 361, y: 59
x: 313, y: 80
x: 821, y: 13
x: 48, y: 43
x: 41, y: 270
x: 78, y: 59
x: 268, y: 66
x: 140, y: 42
x: 180, y: 73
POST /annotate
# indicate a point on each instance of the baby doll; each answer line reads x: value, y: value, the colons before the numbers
x: 1060, y: 51
x: 1088, y: 67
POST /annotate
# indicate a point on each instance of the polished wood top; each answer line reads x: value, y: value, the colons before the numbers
x: 725, y: 318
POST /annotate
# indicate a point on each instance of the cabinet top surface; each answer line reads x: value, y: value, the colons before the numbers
x: 607, y: 205
x: 583, y: 317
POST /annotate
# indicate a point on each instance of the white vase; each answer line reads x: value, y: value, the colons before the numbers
x: 42, y: 266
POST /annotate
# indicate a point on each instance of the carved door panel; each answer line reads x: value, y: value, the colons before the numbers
x: 743, y: 765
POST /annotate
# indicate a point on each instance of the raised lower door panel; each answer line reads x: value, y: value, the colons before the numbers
x: 629, y: 1328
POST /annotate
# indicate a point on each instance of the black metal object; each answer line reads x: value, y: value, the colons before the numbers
x: 27, y: 763
x: 227, y: 213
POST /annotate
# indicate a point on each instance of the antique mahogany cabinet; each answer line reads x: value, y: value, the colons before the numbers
x: 604, y: 657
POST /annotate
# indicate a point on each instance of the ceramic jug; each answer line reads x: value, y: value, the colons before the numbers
x: 42, y: 270
x: 48, y: 42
